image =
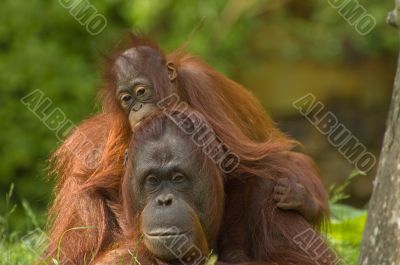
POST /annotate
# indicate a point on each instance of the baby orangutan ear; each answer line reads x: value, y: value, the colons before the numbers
x: 171, y: 71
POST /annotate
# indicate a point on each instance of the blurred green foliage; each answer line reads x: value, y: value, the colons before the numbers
x: 346, y: 229
x: 346, y: 223
x: 43, y: 47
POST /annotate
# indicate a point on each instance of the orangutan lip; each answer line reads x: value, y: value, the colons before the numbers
x: 141, y: 120
x: 160, y: 233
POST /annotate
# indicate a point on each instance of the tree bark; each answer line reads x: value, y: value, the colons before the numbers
x: 381, y: 238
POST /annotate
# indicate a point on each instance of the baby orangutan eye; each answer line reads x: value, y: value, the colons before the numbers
x: 142, y: 92
x: 126, y: 100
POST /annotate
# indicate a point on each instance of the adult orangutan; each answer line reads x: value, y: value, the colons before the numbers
x: 173, y: 205
x: 136, y: 78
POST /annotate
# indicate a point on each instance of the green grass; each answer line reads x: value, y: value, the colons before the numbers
x: 19, y: 247
x: 20, y: 250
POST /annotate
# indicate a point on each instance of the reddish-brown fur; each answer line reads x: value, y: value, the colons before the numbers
x: 268, y: 232
x: 87, y: 197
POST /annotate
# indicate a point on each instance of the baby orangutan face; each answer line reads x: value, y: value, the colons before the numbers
x: 137, y: 71
x: 135, y: 90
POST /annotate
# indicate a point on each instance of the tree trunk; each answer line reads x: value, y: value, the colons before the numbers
x: 381, y: 238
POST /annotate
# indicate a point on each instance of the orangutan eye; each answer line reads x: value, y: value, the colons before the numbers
x: 152, y: 179
x: 142, y: 92
x: 178, y: 178
x: 126, y: 99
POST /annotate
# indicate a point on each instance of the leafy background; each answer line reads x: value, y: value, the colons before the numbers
x: 280, y: 50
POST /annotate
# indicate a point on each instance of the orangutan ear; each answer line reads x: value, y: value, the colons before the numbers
x: 171, y: 71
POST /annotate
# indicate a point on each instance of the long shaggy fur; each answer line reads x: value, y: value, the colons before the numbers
x: 88, y: 197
